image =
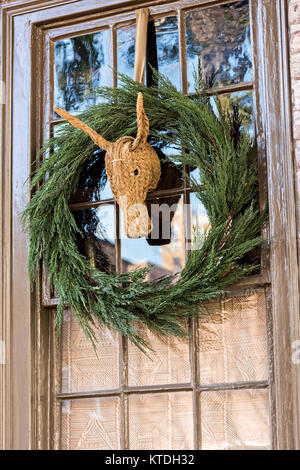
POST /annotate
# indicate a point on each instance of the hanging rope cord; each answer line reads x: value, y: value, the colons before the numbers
x: 142, y: 17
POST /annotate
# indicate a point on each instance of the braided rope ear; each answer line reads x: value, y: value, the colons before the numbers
x: 142, y: 123
x: 75, y: 122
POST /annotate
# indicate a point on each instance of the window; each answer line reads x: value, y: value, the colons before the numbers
x: 213, y: 390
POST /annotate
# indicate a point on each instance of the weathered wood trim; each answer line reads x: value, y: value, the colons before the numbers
x: 5, y: 235
x: 275, y: 105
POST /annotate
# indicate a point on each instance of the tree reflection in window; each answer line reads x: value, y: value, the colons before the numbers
x: 126, y: 49
x: 241, y: 101
x: 167, y: 44
x: 82, y: 64
x: 218, y: 40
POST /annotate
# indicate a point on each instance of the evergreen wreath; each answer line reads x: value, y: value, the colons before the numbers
x: 215, y: 143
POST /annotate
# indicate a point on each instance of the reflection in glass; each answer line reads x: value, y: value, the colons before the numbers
x: 57, y: 129
x: 167, y: 48
x: 195, y: 175
x: 93, y: 184
x: 98, y: 242
x: 165, y: 248
x: 126, y: 49
x: 244, y: 101
x: 81, y: 65
x: 167, y: 44
x: 172, y: 153
x: 199, y: 223
x: 171, y: 174
x: 218, y: 40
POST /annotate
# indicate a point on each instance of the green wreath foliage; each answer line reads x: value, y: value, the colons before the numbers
x: 215, y: 143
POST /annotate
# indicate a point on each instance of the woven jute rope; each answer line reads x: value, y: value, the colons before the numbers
x: 142, y: 123
x: 133, y: 168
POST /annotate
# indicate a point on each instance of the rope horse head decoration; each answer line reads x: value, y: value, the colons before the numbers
x: 133, y: 169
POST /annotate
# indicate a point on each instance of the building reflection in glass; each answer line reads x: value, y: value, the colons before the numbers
x: 218, y: 40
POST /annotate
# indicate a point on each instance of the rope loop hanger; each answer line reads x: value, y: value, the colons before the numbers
x: 142, y: 18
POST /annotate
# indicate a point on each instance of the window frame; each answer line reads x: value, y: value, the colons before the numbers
x: 29, y: 334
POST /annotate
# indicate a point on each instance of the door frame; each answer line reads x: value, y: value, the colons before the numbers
x: 26, y: 397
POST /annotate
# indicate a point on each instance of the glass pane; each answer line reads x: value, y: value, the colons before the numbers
x: 199, y: 223
x: 126, y: 49
x: 164, y: 248
x: 171, y: 172
x: 83, y: 368
x: 57, y: 129
x: 195, y: 174
x: 91, y: 424
x: 167, y: 44
x: 81, y: 65
x: 167, y: 48
x: 218, y: 39
x: 93, y: 184
x: 98, y: 243
x: 167, y: 364
x: 235, y: 420
x: 162, y: 421
x: 242, y: 99
x: 233, y: 340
